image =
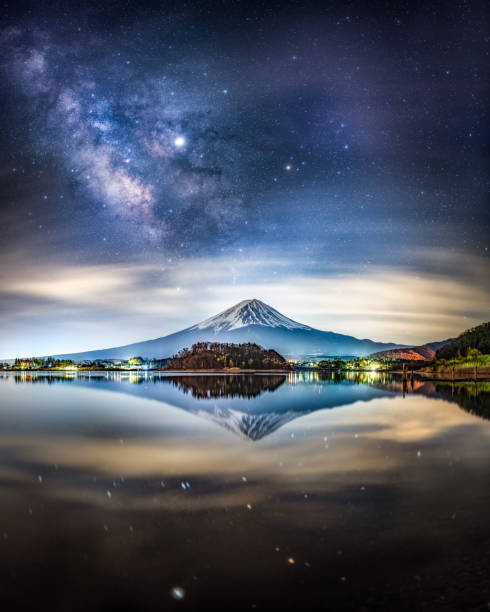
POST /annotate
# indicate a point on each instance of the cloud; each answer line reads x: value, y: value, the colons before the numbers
x: 98, y: 306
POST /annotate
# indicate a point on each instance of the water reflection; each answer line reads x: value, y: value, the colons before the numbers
x: 207, y: 387
x: 472, y: 397
x: 255, y: 405
x: 117, y: 488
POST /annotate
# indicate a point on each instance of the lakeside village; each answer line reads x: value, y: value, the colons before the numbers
x: 139, y: 364
x: 209, y: 356
x: 333, y: 364
x: 49, y: 363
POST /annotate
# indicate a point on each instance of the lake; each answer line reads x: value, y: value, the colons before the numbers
x: 248, y: 492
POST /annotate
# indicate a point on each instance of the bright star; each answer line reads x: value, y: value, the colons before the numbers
x: 179, y: 142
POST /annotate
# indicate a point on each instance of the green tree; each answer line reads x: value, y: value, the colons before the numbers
x: 473, y: 353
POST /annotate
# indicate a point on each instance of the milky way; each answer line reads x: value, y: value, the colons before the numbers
x: 154, y: 153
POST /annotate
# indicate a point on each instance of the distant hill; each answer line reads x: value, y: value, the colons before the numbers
x: 247, y: 321
x: 475, y: 338
x: 424, y: 352
x: 220, y: 355
x: 437, y: 345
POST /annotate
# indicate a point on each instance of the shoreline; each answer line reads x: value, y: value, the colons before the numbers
x: 445, y: 374
x: 154, y: 371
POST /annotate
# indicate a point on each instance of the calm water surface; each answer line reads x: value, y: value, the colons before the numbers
x: 162, y: 492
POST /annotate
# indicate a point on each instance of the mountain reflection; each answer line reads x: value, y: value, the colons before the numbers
x: 255, y: 405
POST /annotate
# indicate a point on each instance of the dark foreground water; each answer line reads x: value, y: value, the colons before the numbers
x: 243, y: 492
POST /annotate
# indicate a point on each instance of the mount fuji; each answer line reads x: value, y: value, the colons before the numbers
x: 247, y: 321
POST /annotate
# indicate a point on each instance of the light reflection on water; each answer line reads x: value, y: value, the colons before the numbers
x: 121, y: 487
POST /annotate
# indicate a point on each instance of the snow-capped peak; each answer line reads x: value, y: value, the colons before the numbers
x: 248, y: 312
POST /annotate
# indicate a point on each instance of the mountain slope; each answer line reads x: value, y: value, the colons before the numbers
x: 437, y: 345
x: 424, y: 352
x: 414, y: 353
x: 247, y: 321
x: 475, y: 338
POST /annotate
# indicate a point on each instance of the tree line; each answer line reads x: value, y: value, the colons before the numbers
x: 222, y: 355
x: 477, y: 338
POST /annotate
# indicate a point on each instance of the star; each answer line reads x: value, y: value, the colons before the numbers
x: 179, y: 142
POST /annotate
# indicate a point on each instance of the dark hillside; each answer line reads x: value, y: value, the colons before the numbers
x: 221, y: 355
x: 475, y: 338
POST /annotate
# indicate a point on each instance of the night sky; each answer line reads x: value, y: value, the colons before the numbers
x: 161, y: 161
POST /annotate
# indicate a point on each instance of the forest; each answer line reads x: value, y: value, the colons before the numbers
x: 477, y: 338
x: 222, y: 356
